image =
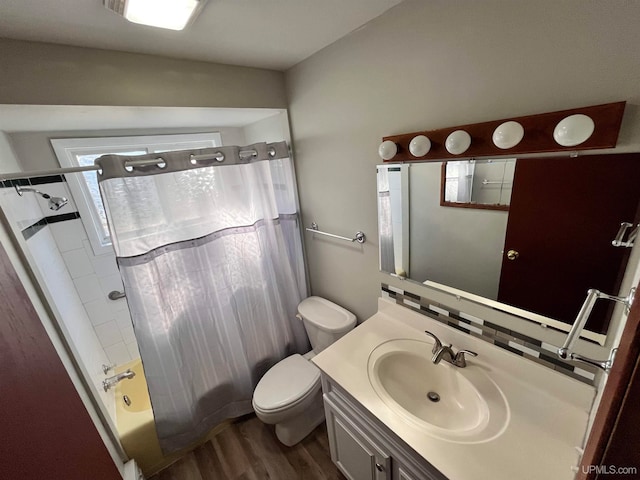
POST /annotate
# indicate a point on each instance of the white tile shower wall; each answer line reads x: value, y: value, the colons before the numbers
x: 58, y: 282
x: 78, y: 283
x: 94, y: 276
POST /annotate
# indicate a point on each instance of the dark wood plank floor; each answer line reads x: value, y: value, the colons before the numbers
x: 249, y: 450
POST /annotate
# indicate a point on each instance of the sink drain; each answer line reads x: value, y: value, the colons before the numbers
x: 433, y: 396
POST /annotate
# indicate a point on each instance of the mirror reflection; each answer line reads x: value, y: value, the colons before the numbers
x: 477, y: 183
x: 541, y: 253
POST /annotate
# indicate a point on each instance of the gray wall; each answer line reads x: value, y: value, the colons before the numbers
x: 47, y: 74
x: 459, y: 247
x: 428, y: 65
x: 34, y: 150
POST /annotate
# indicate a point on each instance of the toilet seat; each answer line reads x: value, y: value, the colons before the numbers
x: 287, y: 384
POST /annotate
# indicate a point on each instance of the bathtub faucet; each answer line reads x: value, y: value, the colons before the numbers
x: 110, y: 382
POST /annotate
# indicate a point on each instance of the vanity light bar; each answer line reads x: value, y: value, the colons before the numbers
x: 584, y: 128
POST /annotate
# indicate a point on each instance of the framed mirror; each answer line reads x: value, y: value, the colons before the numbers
x: 483, y: 184
x: 540, y: 254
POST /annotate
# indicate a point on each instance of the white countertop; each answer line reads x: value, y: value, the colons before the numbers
x: 549, y: 411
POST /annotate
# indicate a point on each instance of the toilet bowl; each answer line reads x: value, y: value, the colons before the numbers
x: 289, y: 395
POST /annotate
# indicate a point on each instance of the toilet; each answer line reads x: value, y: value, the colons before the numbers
x: 289, y: 395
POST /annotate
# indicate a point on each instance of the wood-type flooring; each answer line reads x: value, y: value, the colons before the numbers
x: 249, y: 450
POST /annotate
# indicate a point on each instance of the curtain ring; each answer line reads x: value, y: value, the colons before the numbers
x: 272, y: 152
x: 219, y: 156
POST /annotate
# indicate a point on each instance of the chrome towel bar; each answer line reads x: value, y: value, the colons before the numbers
x: 566, y: 351
x: 360, y: 237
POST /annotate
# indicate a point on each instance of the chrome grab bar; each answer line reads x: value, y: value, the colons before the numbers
x: 115, y: 295
x: 566, y: 351
x: 624, y: 226
x: 360, y: 237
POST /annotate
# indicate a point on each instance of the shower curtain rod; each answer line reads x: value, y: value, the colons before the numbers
x: 88, y: 168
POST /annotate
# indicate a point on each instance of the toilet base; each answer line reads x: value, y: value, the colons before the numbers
x: 294, y: 429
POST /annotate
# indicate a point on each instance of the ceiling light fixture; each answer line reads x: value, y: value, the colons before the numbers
x: 171, y: 14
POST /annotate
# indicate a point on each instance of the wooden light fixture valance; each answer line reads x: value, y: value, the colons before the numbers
x: 538, y: 135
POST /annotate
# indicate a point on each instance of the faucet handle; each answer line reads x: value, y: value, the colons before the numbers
x: 106, y: 368
x: 460, y: 360
x: 437, y: 345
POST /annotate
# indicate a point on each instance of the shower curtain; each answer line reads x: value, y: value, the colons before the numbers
x: 209, y: 249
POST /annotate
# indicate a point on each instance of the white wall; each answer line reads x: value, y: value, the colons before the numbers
x: 428, y: 65
x: 8, y: 160
x: 80, y: 333
x: 271, y: 129
x: 93, y: 278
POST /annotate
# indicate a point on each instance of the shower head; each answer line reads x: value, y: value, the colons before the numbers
x: 55, y: 203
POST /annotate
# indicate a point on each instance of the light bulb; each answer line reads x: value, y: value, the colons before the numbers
x: 458, y: 142
x: 419, y: 146
x: 508, y: 135
x: 573, y: 130
x: 387, y: 150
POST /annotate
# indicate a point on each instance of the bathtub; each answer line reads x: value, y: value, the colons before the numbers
x: 135, y: 424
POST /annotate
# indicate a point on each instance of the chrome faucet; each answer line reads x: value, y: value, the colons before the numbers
x: 111, y: 382
x: 446, y: 353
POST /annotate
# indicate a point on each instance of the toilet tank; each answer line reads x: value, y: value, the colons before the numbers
x: 324, y: 321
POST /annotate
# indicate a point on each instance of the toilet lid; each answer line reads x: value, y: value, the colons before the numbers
x: 327, y: 315
x: 287, y: 382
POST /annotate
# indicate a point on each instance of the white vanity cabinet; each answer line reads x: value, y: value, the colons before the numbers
x: 362, y: 448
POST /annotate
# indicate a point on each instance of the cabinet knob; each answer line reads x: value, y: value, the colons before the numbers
x: 379, y: 467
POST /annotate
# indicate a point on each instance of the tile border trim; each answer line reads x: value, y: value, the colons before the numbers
x: 512, y: 341
x: 31, y: 230
x: 29, y: 181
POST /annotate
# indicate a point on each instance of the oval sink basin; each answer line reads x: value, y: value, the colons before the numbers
x: 457, y: 404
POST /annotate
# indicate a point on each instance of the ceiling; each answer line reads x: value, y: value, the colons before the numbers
x: 33, y: 118
x: 274, y: 34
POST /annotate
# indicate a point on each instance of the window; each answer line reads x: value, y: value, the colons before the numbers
x: 79, y: 152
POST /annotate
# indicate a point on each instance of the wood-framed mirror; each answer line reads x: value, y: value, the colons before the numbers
x: 484, y: 184
x: 540, y: 255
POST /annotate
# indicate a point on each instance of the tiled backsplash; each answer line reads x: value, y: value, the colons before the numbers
x: 527, y: 347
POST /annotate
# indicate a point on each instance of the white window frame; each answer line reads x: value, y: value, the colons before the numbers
x: 68, y: 149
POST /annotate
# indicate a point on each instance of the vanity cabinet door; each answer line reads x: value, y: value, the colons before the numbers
x: 355, y: 454
x: 402, y: 474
